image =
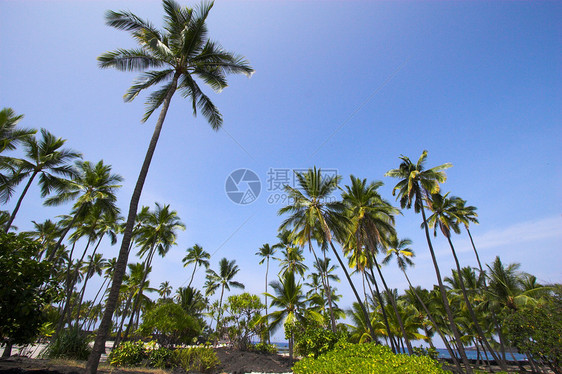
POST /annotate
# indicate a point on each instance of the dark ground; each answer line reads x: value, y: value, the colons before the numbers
x: 232, y: 361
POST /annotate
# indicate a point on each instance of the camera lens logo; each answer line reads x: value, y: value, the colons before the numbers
x: 243, y: 186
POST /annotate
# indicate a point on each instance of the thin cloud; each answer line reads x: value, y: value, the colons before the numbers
x: 530, y: 231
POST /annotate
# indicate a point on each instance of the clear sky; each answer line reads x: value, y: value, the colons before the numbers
x: 346, y: 85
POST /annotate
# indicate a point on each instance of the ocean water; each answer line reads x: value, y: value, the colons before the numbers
x: 473, y: 355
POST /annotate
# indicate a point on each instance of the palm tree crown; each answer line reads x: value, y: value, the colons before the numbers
x: 174, y: 56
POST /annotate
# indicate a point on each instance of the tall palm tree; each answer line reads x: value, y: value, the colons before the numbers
x: 372, y: 224
x: 92, y: 185
x: 10, y: 137
x: 197, y: 256
x: 223, y: 280
x: 175, y: 56
x: 266, y: 252
x: 311, y: 213
x: 443, y: 216
x: 47, y: 159
x: 156, y: 235
x: 416, y: 185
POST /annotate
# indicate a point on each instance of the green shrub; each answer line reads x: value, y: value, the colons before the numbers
x: 71, y: 344
x: 129, y: 354
x: 161, y: 358
x: 264, y: 348
x: 170, y: 325
x: 201, y: 359
x: 366, y: 359
x: 315, y: 341
x: 429, y: 352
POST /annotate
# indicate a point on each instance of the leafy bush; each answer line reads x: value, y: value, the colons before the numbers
x: 161, y: 358
x: 170, y: 325
x: 201, y: 359
x: 315, y: 341
x: 129, y: 354
x: 538, y: 331
x: 264, y: 348
x: 429, y: 352
x: 242, y: 323
x: 26, y: 289
x: 366, y: 358
x: 70, y: 344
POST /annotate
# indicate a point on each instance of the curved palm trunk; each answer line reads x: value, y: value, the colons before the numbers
x: 121, y: 264
x: 192, y: 274
x: 327, y: 290
x: 494, y: 319
x: 86, y: 283
x: 18, y: 204
x: 118, y: 337
x: 393, y: 303
x: 357, y: 297
x: 443, y: 293
x: 266, y: 312
x: 483, y: 339
x: 437, y: 328
x: 393, y: 342
x: 136, y: 304
x: 63, y: 234
x: 94, y: 303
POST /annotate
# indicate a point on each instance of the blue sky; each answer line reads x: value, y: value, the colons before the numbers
x: 340, y: 85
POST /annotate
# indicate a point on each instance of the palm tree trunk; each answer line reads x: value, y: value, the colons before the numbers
x: 494, y: 319
x: 357, y: 297
x: 192, y: 274
x: 393, y: 302
x: 454, y: 327
x: 136, y: 304
x: 86, y: 281
x: 121, y: 264
x: 393, y: 342
x: 18, y: 204
x: 326, y: 287
x: 266, y: 312
x: 437, y: 328
x: 483, y: 338
x: 120, y: 330
x: 63, y: 234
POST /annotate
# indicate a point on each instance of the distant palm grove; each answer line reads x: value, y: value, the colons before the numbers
x: 57, y: 286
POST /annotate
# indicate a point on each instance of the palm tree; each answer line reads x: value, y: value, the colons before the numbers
x: 197, y: 256
x: 92, y: 185
x: 156, y: 235
x: 191, y: 300
x: 372, y: 223
x: 266, y: 252
x: 311, y: 213
x: 224, y: 280
x: 292, y: 261
x: 416, y: 185
x: 184, y: 52
x: 292, y: 303
x: 165, y: 290
x: 95, y: 265
x: 47, y: 159
x: 10, y: 137
x: 443, y: 216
